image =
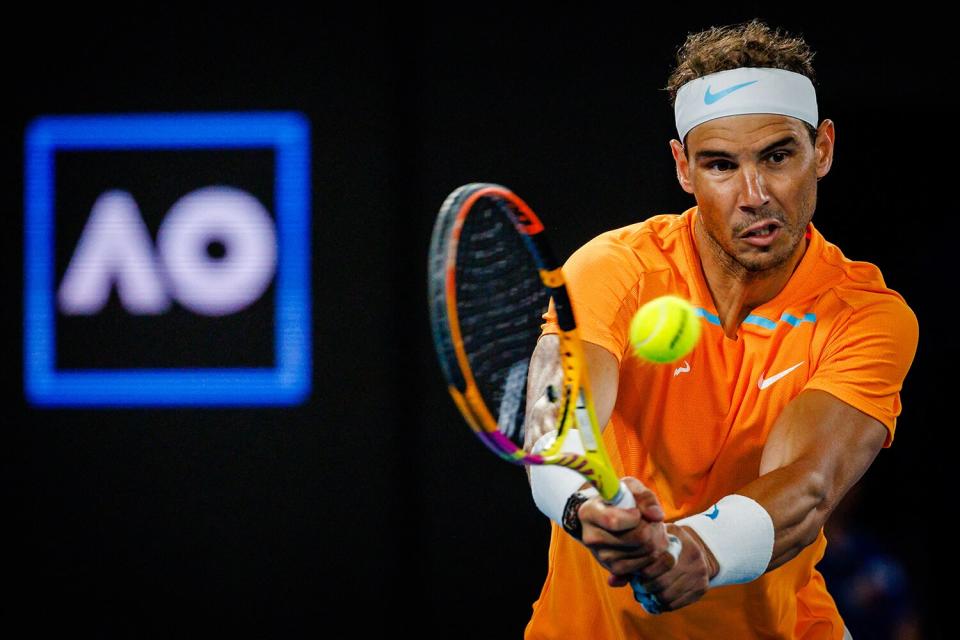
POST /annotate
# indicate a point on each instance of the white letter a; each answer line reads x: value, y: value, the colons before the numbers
x: 115, y: 247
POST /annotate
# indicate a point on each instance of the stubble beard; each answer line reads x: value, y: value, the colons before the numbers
x: 767, y: 260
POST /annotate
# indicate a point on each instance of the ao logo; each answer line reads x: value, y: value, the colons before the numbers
x: 217, y: 253
x: 116, y: 250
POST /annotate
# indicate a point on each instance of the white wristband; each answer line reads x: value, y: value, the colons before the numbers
x: 739, y: 533
x: 552, y: 484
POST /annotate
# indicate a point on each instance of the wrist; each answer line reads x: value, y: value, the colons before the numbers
x: 571, y: 512
x: 713, y: 567
x: 553, y: 485
x: 738, y: 533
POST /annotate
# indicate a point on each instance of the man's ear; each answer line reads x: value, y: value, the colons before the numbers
x: 826, y: 136
x: 683, y: 167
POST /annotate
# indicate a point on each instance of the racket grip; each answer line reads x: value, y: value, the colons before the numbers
x: 624, y: 498
x: 649, y: 602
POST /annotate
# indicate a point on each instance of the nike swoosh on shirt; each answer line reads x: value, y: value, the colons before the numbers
x: 716, y: 512
x: 710, y: 98
x: 764, y: 383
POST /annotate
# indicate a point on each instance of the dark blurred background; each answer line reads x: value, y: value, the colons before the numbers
x: 371, y: 505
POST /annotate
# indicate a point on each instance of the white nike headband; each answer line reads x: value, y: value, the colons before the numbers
x: 744, y: 90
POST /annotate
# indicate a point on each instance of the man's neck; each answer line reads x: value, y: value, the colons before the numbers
x: 735, y: 290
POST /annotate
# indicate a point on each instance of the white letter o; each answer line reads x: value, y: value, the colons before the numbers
x: 218, y: 286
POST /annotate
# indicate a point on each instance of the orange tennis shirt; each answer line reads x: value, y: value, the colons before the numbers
x: 693, y: 431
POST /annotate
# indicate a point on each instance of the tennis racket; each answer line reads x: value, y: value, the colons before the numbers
x: 491, y: 277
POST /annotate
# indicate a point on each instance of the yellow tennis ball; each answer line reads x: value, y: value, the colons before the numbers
x: 664, y: 329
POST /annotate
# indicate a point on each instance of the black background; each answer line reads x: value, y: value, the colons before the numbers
x: 374, y: 494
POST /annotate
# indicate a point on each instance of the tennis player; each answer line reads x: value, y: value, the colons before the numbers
x: 743, y: 448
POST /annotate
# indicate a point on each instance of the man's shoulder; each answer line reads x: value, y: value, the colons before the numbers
x: 653, y: 228
x: 852, y: 289
x: 646, y: 242
x: 857, y: 283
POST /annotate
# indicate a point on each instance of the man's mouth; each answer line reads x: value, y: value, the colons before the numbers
x: 761, y: 229
x: 762, y: 234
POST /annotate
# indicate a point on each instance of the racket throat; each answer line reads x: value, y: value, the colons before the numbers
x: 586, y: 421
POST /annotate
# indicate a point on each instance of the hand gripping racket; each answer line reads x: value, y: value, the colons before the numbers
x: 491, y: 276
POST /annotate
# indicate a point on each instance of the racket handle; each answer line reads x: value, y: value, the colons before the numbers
x: 649, y: 602
x: 624, y: 498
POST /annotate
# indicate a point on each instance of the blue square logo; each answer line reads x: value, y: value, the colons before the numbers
x: 167, y: 260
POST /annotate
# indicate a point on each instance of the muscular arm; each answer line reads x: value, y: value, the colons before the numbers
x: 608, y: 532
x: 545, y: 369
x: 817, y: 450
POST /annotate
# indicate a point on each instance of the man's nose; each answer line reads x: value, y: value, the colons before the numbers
x: 754, y: 193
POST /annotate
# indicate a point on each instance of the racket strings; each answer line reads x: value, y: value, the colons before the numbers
x: 500, y: 301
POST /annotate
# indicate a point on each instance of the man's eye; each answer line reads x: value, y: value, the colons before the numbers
x: 720, y: 165
x: 779, y: 157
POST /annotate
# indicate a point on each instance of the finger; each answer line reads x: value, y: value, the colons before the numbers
x: 661, y: 571
x: 629, y: 567
x: 652, y: 513
x: 647, y: 538
x: 646, y: 500
x: 611, y: 519
x: 618, y: 581
x: 657, y: 571
x: 684, y: 591
x: 642, y: 547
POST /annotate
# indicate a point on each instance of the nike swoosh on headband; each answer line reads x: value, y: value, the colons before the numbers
x: 710, y: 98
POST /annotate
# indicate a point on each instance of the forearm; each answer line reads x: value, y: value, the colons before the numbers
x: 545, y: 367
x: 760, y: 526
x: 818, y: 449
x: 545, y: 370
x: 795, y: 498
x: 798, y: 498
x: 553, y: 485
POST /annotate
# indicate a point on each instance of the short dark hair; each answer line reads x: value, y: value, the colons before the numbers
x: 748, y: 44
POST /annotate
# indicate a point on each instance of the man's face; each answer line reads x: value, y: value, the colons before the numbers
x: 750, y: 170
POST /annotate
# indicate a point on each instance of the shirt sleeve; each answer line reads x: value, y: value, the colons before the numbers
x: 866, y: 360
x: 603, y: 280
